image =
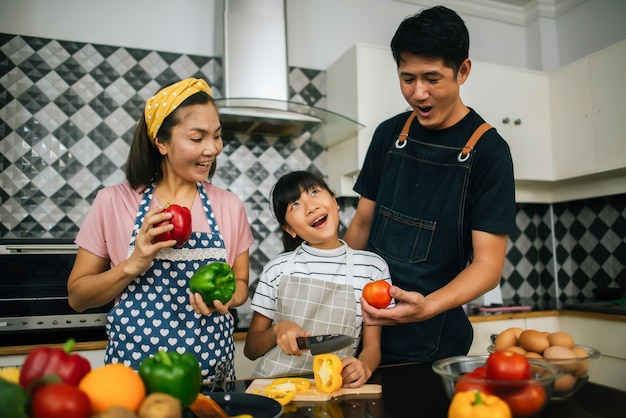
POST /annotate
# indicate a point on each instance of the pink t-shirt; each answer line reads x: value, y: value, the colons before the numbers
x: 108, y: 226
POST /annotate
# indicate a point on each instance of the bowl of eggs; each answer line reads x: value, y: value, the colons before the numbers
x: 557, y: 348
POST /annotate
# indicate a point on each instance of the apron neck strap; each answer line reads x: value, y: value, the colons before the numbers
x: 471, y: 143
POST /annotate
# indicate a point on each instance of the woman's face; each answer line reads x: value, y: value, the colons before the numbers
x: 314, y: 217
x: 195, y: 142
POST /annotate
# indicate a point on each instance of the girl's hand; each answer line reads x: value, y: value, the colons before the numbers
x: 146, y: 245
x: 286, y: 333
x: 354, y: 373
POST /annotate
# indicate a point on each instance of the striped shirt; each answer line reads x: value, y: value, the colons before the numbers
x: 328, y: 265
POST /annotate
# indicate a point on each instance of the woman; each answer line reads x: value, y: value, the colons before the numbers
x: 120, y: 257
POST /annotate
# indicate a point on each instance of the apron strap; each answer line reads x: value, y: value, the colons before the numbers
x: 401, y: 141
x: 471, y: 143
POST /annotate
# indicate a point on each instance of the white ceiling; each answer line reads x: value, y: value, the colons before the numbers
x: 518, y: 12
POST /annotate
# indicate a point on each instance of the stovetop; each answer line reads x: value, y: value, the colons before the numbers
x: 616, y: 307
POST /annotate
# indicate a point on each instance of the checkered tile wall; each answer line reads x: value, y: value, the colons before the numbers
x: 67, y: 115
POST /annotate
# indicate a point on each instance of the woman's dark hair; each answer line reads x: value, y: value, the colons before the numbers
x: 437, y: 32
x: 144, y: 159
x: 287, y: 190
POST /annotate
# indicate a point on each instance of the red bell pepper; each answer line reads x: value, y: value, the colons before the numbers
x: 44, y: 361
x: 181, y: 219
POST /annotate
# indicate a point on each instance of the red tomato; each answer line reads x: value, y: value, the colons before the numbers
x: 525, y: 401
x: 473, y: 380
x: 507, y: 365
x: 181, y: 219
x: 376, y: 293
x: 58, y: 400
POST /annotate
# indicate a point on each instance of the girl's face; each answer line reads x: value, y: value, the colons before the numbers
x: 195, y: 143
x: 314, y: 217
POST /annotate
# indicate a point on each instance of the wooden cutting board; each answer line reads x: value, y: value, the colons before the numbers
x: 314, y: 395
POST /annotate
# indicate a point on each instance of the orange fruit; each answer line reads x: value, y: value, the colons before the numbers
x: 113, y: 385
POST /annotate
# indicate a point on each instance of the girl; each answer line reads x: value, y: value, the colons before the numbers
x: 174, y: 151
x: 313, y: 288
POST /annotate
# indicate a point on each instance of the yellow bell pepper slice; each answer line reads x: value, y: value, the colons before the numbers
x: 327, y: 371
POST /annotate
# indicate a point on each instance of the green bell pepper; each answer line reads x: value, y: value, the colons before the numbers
x: 173, y: 373
x: 214, y: 281
x: 13, y: 400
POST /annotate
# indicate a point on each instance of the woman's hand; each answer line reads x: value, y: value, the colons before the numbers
x: 146, y: 244
x: 200, y: 306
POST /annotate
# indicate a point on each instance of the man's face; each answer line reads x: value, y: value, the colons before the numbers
x: 432, y: 90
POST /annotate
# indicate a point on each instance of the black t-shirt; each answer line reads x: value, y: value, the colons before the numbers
x: 491, y: 196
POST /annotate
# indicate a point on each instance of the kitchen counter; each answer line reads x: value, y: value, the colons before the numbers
x: 415, y: 391
x: 16, y: 346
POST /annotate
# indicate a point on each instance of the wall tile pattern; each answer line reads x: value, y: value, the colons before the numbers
x: 67, y: 116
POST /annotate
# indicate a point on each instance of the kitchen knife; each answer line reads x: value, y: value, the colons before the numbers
x: 320, y: 344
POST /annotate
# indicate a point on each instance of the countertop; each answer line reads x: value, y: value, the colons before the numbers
x: 97, y: 340
x: 416, y: 391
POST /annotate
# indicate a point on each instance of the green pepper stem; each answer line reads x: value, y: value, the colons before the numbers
x: 69, y: 345
x: 478, y: 400
x: 164, y: 358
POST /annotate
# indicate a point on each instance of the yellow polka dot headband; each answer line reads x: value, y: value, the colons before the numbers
x: 168, y: 99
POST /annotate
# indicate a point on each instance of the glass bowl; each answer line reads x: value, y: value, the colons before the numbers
x: 575, y: 372
x: 513, y: 392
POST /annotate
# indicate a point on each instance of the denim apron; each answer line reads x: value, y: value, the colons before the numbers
x: 318, y: 306
x: 418, y: 228
x: 154, y: 312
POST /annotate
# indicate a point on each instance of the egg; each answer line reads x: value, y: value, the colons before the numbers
x: 562, y: 357
x: 583, y: 365
x: 532, y: 354
x: 517, y: 349
x: 564, y: 383
x: 562, y: 339
x: 533, y: 340
x: 505, y: 339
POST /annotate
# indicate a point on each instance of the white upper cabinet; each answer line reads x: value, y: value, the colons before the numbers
x: 517, y: 103
x: 608, y: 82
x: 363, y: 85
x: 572, y: 119
x: 589, y: 114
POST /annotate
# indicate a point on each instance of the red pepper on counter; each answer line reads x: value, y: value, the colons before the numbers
x: 44, y: 361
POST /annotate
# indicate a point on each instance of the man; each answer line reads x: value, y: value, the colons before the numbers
x: 435, y: 206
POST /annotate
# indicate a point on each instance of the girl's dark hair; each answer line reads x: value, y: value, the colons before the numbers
x: 287, y: 190
x: 144, y: 159
x: 437, y: 32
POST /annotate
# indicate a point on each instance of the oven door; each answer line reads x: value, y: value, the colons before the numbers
x: 33, y: 295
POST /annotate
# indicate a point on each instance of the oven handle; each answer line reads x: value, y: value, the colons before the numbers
x: 39, y: 248
x: 34, y: 299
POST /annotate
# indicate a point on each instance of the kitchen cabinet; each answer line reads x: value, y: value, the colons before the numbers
x: 588, y: 108
x: 517, y: 103
x: 609, y: 337
x: 608, y: 74
x: 362, y: 85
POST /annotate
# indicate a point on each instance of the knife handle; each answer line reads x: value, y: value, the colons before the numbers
x: 301, y: 341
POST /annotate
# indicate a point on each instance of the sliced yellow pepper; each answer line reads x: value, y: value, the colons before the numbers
x: 327, y: 371
x: 301, y: 383
x: 283, y: 393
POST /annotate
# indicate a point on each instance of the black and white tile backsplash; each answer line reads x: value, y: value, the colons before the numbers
x: 67, y: 115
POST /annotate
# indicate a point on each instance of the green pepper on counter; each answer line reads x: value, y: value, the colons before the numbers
x: 214, y: 281
x: 13, y: 400
x: 172, y: 373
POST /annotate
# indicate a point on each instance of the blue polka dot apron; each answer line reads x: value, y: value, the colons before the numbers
x: 154, y: 312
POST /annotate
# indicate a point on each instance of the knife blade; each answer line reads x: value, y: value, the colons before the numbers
x: 320, y: 344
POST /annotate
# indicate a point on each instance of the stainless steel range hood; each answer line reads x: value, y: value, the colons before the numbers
x: 256, y: 79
